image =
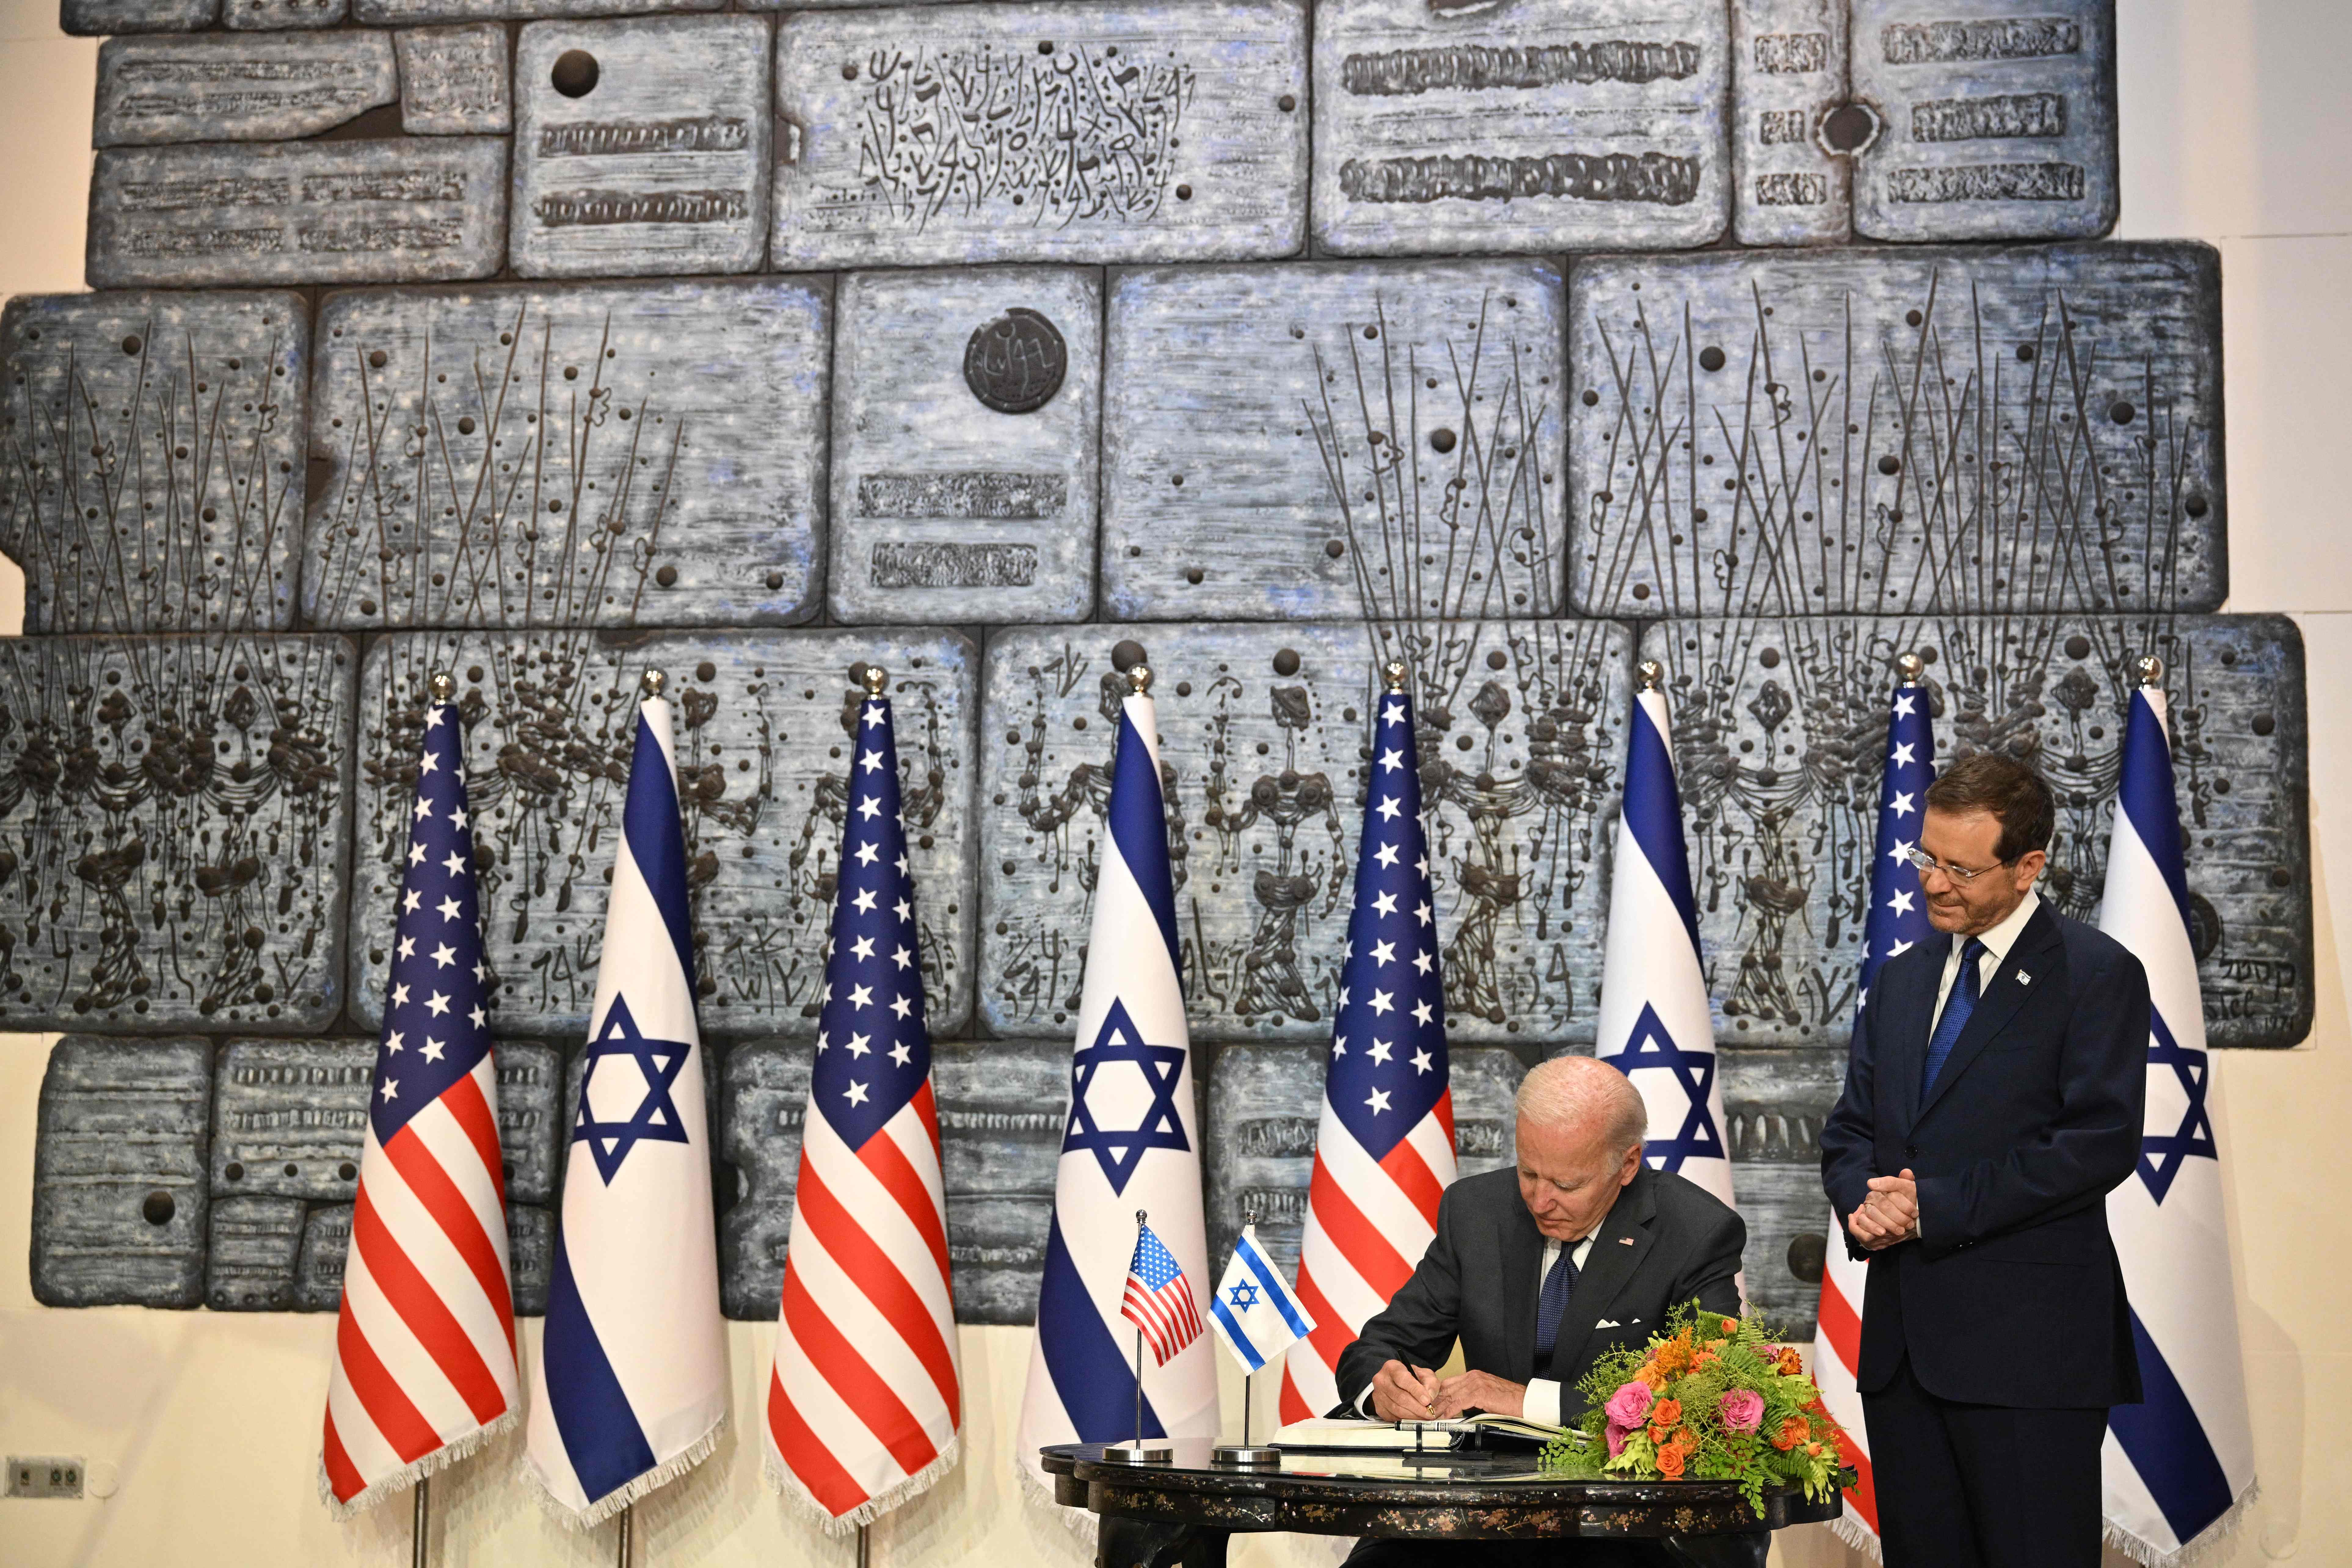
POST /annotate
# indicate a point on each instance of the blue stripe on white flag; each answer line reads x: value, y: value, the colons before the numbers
x: 2166, y: 1445
x: 1138, y: 824
x: 656, y: 839
x: 1091, y: 1375
x: 2146, y: 796
x: 600, y: 1435
x: 1654, y: 815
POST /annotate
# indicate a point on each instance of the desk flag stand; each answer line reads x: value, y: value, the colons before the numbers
x: 1138, y: 1451
x: 1245, y: 1454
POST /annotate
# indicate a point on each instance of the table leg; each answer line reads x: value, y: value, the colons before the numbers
x: 1139, y: 1543
x: 1744, y: 1549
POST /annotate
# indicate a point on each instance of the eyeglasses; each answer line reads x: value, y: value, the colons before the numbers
x: 1925, y: 863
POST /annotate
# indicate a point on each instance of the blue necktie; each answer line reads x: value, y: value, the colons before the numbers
x: 1957, y: 1008
x: 1553, y: 1302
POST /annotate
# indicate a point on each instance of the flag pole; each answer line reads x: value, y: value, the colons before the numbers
x: 1138, y: 1451
x: 628, y: 1518
x: 863, y: 1546
x: 1245, y: 1454
x: 420, y: 1523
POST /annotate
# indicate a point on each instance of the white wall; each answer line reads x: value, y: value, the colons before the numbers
x: 203, y: 1427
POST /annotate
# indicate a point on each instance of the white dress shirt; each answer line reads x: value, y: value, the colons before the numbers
x: 1542, y: 1400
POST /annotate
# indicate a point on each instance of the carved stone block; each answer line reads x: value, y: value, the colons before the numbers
x: 275, y: 88
x: 532, y: 1121
x: 253, y: 1264
x: 1997, y: 121
x: 1466, y: 128
x: 118, y: 1200
x: 1002, y: 1104
x: 531, y: 1257
x: 1779, y: 730
x: 966, y: 415
x: 1041, y: 132
x: 263, y: 16
x: 408, y: 12
x: 298, y: 212
x: 104, y: 18
x: 649, y: 454
x: 641, y: 146
x: 453, y: 80
x: 763, y: 726
x: 762, y: 1103
x: 289, y: 1119
x: 1334, y: 440
x: 1897, y: 431
x: 1263, y: 735
x: 1792, y: 180
x: 150, y: 459
x: 1774, y: 1103
x: 176, y: 810
x: 1265, y: 1103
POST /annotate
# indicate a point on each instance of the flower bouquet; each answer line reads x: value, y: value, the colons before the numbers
x: 1713, y: 1399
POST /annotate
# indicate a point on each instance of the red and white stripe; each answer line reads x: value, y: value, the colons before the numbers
x: 866, y: 1399
x: 1837, y: 1356
x: 424, y: 1350
x: 1368, y: 1223
x: 1169, y: 1316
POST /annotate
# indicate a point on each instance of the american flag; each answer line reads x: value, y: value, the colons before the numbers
x: 1384, y: 1152
x: 425, y: 1351
x: 865, y: 1400
x: 1159, y: 1299
x: 1897, y: 922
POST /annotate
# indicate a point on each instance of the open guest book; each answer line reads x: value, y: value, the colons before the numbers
x: 1411, y: 1436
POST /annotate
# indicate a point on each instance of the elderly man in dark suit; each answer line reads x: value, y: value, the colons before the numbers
x: 1537, y: 1271
x: 1992, y: 1099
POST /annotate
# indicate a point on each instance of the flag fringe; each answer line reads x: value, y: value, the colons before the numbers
x: 407, y: 1476
x: 1857, y: 1535
x: 613, y: 1502
x: 1081, y: 1522
x: 784, y: 1484
x: 2190, y: 1552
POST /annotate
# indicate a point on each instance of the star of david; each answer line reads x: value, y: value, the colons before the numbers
x: 656, y: 1117
x: 1244, y: 1296
x: 1120, y: 1150
x: 1652, y: 1046
x: 2160, y: 1156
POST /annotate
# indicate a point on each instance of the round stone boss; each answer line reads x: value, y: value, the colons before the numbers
x: 1015, y: 362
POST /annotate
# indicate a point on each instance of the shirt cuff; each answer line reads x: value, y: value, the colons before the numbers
x: 1541, y: 1402
x: 1364, y: 1403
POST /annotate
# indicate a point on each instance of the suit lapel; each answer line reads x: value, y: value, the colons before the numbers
x: 1522, y: 1259
x: 1624, y: 1240
x: 1910, y: 1015
x: 2000, y: 1002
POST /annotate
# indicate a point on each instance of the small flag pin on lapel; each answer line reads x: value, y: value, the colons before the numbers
x: 1624, y: 1241
x: 2023, y: 978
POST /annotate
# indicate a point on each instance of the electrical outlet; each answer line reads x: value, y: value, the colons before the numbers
x: 45, y: 1475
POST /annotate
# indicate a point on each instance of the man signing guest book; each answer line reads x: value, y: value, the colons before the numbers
x: 1539, y: 1271
x: 1992, y: 1099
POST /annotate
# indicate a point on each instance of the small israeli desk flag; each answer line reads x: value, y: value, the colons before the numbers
x: 1253, y: 1311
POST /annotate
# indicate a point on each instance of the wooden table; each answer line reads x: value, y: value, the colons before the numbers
x: 1164, y: 1516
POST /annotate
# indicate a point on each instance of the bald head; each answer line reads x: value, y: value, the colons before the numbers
x: 1581, y: 1127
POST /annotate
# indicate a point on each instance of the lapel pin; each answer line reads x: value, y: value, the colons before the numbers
x: 2023, y: 978
x: 1624, y: 1241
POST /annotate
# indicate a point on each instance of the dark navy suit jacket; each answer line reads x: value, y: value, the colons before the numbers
x: 2012, y: 1295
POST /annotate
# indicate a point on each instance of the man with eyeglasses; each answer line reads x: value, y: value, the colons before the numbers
x: 1993, y: 1098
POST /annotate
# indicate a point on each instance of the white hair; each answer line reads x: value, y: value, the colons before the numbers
x: 1580, y: 1091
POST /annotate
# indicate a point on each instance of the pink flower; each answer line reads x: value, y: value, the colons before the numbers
x: 1630, y: 1404
x: 1743, y: 1410
x: 1617, y: 1436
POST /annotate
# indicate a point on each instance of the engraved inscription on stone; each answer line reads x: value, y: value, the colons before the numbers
x: 1264, y: 734
x: 964, y: 431
x: 105, y: 18
x: 264, y: 15
x: 647, y: 454
x: 2000, y: 119
x: 1265, y: 1102
x: 2015, y: 430
x: 407, y: 13
x: 1002, y: 1104
x: 1334, y: 440
x: 254, y: 1262
x: 531, y: 1257
x: 174, y: 811
x: 1041, y: 132
x: 319, y: 1267
x: 118, y: 1174
x: 641, y: 146
x: 151, y: 458
x: 1787, y: 76
x: 531, y: 1119
x: 289, y: 1119
x: 336, y: 212
x: 1779, y: 728
x: 765, y: 741
x: 226, y: 89
x: 452, y: 80
x: 1524, y: 128
x: 762, y: 1102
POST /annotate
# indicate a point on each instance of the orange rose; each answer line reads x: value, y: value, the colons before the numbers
x: 1670, y: 1462
x: 1666, y: 1412
x: 1730, y: 1325
x: 1794, y: 1430
x: 1702, y: 1359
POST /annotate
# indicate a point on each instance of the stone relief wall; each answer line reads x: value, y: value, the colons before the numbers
x: 1007, y: 345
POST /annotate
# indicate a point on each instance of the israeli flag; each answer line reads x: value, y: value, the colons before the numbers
x: 2181, y: 1463
x: 1654, y: 1025
x: 629, y: 1389
x: 1253, y: 1311
x: 1128, y: 1142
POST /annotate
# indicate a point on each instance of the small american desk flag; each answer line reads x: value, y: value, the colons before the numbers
x: 425, y: 1348
x: 1159, y: 1299
x: 865, y: 1400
